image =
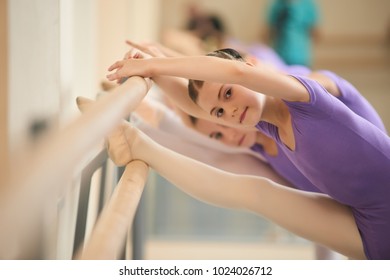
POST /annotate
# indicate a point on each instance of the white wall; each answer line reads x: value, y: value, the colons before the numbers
x: 369, y: 18
x: 33, y: 65
x: 128, y: 19
x: 79, y: 54
x: 60, y: 49
x: 4, y: 156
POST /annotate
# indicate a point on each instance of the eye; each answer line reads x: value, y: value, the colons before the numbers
x: 219, y: 113
x: 228, y: 93
x: 216, y: 135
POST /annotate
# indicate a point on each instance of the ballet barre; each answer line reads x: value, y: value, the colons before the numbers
x: 46, y: 172
x: 109, y: 234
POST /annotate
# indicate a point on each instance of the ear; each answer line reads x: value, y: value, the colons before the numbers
x: 84, y: 103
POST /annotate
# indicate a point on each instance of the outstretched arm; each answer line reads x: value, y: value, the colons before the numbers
x: 214, y: 69
x: 313, y: 216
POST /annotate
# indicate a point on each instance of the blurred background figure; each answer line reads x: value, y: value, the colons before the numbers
x: 292, y: 27
x: 208, y: 27
x: 203, y: 31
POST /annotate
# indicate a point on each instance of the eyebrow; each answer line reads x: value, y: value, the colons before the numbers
x: 219, y: 97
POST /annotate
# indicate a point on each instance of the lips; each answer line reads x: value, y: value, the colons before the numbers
x: 242, y: 117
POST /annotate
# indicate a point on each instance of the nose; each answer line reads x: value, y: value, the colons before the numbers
x: 230, y: 111
x: 234, y: 111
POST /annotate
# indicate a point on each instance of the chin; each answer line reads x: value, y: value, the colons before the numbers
x: 248, y: 144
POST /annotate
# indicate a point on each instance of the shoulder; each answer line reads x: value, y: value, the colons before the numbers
x: 319, y: 100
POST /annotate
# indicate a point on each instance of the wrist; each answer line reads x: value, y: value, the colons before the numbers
x: 151, y: 67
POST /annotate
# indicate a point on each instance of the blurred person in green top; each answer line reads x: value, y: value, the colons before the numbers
x: 292, y: 27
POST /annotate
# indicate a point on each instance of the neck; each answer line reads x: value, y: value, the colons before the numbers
x: 275, y: 112
x: 269, y: 145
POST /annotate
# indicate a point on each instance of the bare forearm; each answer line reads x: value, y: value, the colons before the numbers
x: 177, y: 91
x: 226, y: 71
x: 213, y: 69
x: 195, y: 67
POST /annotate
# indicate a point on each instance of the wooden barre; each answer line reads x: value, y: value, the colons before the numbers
x: 109, y: 233
x: 42, y: 174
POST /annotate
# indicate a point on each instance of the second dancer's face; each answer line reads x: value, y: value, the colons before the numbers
x: 228, y: 135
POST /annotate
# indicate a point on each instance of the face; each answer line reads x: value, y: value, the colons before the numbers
x: 229, y: 104
x: 228, y: 135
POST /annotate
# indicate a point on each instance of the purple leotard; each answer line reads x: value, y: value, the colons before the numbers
x: 285, y: 168
x: 266, y: 54
x: 344, y: 156
x: 349, y: 96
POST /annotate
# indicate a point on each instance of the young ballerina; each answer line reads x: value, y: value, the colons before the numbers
x: 267, y: 147
x: 341, y: 153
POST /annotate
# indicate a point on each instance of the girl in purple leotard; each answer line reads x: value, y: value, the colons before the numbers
x: 345, y: 156
x: 277, y: 159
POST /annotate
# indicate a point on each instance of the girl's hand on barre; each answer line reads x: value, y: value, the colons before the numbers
x: 133, y: 53
x: 142, y: 52
x: 129, y: 67
x: 136, y: 52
